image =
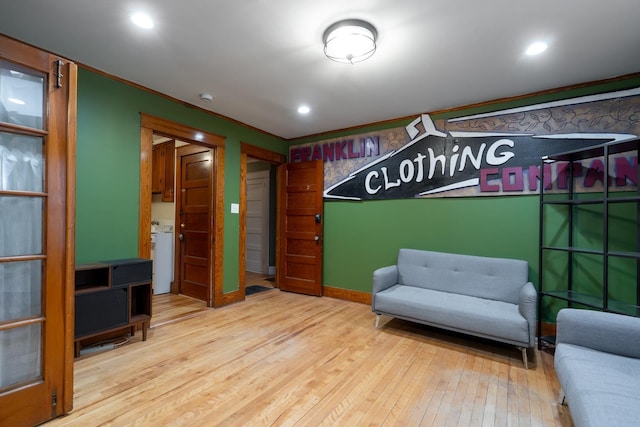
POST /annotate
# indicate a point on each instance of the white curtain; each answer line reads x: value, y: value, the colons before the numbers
x: 21, y: 221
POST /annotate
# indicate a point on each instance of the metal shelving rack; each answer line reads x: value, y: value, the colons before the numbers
x: 571, y: 202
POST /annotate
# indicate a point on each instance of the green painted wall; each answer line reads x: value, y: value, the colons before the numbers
x: 362, y: 236
x: 358, y: 236
x: 108, y: 167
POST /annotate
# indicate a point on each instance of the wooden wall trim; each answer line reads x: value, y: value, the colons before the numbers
x: 179, y: 131
x: 71, y: 71
x: 144, y: 213
x: 548, y: 329
x: 218, y: 209
x: 262, y: 154
x: 231, y: 298
x: 242, y: 247
x: 347, y: 294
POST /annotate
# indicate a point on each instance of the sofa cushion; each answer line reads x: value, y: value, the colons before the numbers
x: 498, y: 279
x: 602, y: 389
x: 483, y: 317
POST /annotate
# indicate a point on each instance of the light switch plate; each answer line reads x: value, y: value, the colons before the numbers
x: 235, y: 208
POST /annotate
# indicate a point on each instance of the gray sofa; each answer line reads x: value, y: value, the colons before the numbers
x: 597, y: 361
x: 481, y: 296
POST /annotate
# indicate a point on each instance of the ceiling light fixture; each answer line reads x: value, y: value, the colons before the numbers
x: 350, y: 41
x: 536, y: 48
x: 142, y: 20
x: 304, y: 109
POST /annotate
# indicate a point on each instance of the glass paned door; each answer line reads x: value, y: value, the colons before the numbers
x: 37, y: 144
x: 22, y: 202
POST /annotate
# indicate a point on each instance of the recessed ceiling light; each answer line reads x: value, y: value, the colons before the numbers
x: 142, y: 20
x: 536, y: 48
x: 304, y: 109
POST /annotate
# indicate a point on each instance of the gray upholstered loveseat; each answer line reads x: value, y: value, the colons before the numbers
x: 597, y: 361
x: 481, y: 296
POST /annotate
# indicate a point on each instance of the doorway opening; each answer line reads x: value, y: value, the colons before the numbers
x: 168, y: 220
x: 259, y: 249
x: 206, y: 219
x: 260, y: 220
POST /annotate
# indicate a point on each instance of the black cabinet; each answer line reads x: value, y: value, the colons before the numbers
x: 100, y: 311
x: 589, y: 253
x: 112, y: 295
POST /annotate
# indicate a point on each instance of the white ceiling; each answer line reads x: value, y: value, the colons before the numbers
x: 261, y: 59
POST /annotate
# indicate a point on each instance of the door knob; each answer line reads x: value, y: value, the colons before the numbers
x: 181, y: 236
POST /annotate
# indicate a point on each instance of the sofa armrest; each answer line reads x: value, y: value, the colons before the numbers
x: 528, y: 309
x: 383, y: 278
x: 608, y: 332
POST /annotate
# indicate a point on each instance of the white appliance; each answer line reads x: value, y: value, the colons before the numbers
x: 162, y: 243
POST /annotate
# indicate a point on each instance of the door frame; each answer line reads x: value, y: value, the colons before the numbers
x: 148, y: 126
x: 277, y: 159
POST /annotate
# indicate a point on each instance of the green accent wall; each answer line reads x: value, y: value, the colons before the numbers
x: 362, y: 236
x: 108, y: 167
x: 358, y: 236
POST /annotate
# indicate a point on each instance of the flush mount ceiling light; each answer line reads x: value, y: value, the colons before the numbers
x: 350, y: 41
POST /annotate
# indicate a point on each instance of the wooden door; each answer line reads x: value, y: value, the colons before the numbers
x: 37, y: 211
x: 301, y: 224
x: 195, y: 234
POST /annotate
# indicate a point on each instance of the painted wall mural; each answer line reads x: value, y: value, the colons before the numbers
x: 489, y: 154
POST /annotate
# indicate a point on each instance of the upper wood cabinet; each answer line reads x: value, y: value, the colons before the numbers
x: 162, y: 165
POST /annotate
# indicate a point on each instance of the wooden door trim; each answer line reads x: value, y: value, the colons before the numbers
x: 148, y: 126
x: 179, y: 131
x: 71, y: 70
x: 248, y: 150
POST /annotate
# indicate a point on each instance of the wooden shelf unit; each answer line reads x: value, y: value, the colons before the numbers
x: 110, y: 296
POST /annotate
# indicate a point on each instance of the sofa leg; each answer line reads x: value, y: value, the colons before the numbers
x: 562, y: 398
x: 524, y: 357
x: 378, y: 317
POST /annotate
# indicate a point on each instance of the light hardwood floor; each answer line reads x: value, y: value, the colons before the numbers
x: 284, y: 359
x: 252, y: 278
